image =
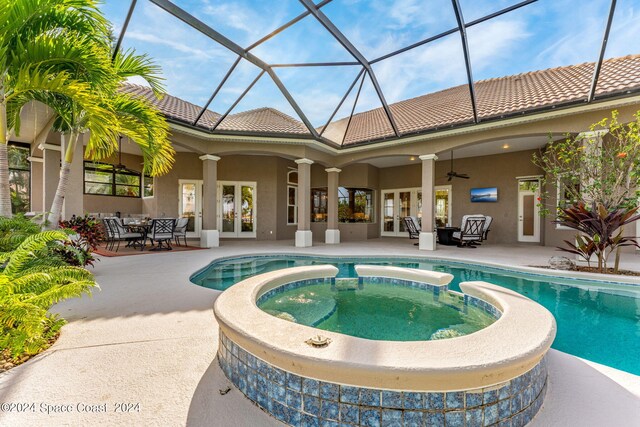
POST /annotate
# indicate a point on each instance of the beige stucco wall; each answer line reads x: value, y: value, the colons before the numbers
x: 486, y: 171
x: 36, y: 187
x: 165, y: 203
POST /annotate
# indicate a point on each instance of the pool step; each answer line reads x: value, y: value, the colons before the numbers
x: 346, y: 284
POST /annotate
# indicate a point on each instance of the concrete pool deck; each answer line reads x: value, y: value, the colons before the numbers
x: 150, y: 337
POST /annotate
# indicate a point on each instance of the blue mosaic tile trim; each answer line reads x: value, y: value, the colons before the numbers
x: 300, y: 401
x: 485, y: 306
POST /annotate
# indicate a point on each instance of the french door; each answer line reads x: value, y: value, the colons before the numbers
x: 190, y: 205
x: 396, y: 204
x: 528, y: 210
x: 237, y: 209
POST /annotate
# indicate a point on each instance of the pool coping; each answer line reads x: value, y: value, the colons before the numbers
x: 493, y: 355
x: 624, y: 281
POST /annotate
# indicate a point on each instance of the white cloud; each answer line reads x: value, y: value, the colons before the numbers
x: 440, y: 65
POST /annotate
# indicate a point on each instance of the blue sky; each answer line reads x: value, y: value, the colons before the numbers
x: 545, y: 34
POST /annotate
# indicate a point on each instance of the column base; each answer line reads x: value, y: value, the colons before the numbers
x: 332, y: 237
x: 427, y: 241
x: 304, y: 239
x: 209, y: 239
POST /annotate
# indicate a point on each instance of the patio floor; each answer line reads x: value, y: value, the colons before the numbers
x: 149, y: 337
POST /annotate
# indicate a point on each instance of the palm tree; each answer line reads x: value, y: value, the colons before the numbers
x: 39, y: 39
x: 133, y: 117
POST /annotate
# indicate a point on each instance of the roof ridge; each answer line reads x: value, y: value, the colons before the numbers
x: 270, y: 109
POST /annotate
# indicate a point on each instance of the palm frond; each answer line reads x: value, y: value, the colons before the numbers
x: 32, y: 244
x: 144, y: 125
x: 129, y: 64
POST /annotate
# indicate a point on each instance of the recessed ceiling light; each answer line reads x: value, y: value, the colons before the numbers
x: 505, y: 146
x: 412, y: 158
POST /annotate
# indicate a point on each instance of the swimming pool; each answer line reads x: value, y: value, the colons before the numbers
x: 597, y: 321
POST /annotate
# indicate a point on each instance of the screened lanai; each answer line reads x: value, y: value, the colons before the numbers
x: 353, y: 72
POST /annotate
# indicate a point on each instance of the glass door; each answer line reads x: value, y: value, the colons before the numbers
x: 397, y: 204
x: 237, y: 212
x: 388, y: 213
x: 404, y: 205
x: 528, y: 211
x: 190, y: 205
x: 443, y: 206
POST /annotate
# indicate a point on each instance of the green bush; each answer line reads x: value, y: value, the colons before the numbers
x: 14, y: 230
x: 29, y: 286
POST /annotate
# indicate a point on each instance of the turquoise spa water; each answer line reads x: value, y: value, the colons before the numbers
x: 596, y: 321
x: 378, y: 311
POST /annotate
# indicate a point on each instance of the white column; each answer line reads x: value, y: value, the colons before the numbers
x: 50, y: 174
x: 332, y: 235
x: 427, y: 234
x: 210, y: 236
x: 303, y: 234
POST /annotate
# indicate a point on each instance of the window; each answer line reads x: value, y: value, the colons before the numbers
x: 292, y: 197
x: 355, y: 205
x: 147, y: 186
x: 19, y: 178
x: 104, y: 179
x: 318, y: 205
x: 568, y: 194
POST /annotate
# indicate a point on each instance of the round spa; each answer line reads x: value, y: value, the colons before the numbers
x: 392, y: 347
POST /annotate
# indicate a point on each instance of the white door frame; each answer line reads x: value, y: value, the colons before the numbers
x: 449, y: 189
x: 536, y: 213
x: 397, y: 220
x: 237, y: 233
x: 198, y: 205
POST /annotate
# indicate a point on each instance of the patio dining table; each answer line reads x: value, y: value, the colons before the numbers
x: 141, y: 227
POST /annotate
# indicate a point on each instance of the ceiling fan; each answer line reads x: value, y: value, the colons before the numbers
x: 451, y: 174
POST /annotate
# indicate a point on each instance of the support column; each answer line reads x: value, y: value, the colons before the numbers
x: 332, y: 235
x: 74, y: 198
x: 303, y: 234
x: 427, y: 234
x: 210, y: 236
x: 50, y: 174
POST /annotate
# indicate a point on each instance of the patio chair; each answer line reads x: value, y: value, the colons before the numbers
x: 487, y: 224
x: 162, y: 233
x: 471, y: 231
x: 119, y: 233
x: 181, y: 230
x: 110, y: 236
x: 413, y: 227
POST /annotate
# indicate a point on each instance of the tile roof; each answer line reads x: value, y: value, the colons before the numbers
x: 496, y: 98
x: 267, y: 120
x: 172, y: 107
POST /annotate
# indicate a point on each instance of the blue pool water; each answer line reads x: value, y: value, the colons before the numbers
x: 597, y: 321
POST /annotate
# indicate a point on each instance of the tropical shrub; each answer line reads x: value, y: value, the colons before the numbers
x: 15, y: 230
x: 89, y: 230
x: 598, y: 175
x: 601, y: 229
x: 29, y: 286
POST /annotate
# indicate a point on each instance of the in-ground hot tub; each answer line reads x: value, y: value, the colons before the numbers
x: 493, y: 375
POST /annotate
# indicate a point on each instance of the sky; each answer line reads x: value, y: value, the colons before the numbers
x: 544, y: 34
